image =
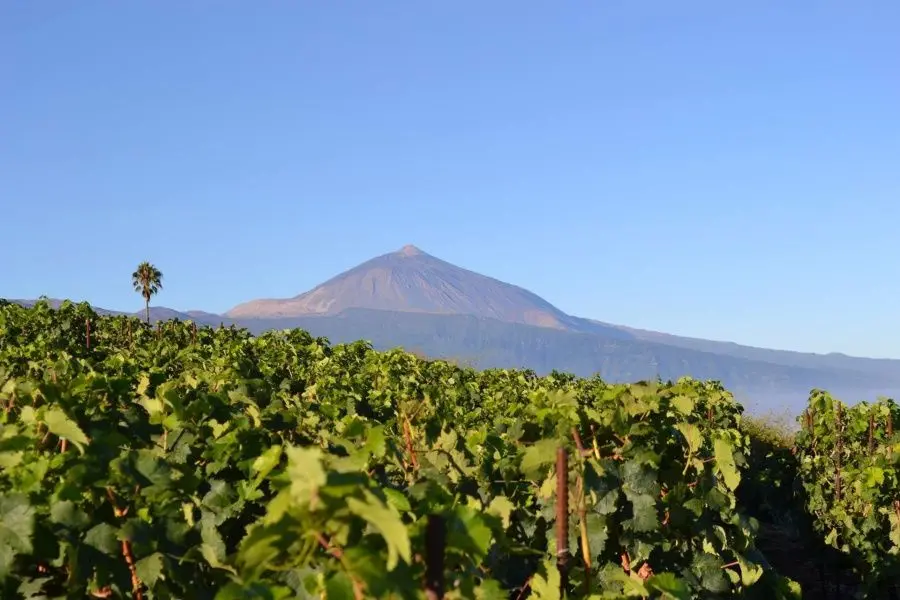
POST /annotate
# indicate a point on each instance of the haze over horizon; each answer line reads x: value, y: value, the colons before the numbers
x: 652, y: 166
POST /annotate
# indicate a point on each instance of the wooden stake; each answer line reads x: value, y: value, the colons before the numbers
x: 435, y: 540
x: 562, y: 518
x: 87, y: 325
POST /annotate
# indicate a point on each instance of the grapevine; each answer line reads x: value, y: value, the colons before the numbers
x: 176, y: 461
x: 848, y: 467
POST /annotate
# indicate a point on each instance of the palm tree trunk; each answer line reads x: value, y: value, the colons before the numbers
x: 148, y: 311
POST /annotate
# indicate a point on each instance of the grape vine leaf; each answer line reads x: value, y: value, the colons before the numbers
x: 541, y: 453
x: 724, y: 453
x: 305, y: 472
x: 545, y: 583
x: 386, y: 521
x: 502, y: 507
x: 62, y: 426
x: 16, y: 528
x: 692, y: 434
x: 150, y: 569
x: 669, y: 586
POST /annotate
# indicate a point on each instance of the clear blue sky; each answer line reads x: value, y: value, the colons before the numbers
x: 718, y: 169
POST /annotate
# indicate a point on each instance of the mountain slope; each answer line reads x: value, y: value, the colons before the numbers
x: 489, y: 343
x: 835, y: 360
x: 410, y: 280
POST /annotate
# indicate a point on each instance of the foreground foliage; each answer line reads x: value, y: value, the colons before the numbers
x: 176, y: 463
x: 848, y: 466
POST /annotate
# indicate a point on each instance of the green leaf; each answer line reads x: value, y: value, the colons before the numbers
x: 397, y: 499
x: 669, y: 586
x: 607, y: 502
x: 683, y: 404
x: 339, y: 587
x: 143, y: 385
x: 545, y: 583
x: 386, y: 520
x: 305, y: 472
x: 750, y: 571
x: 16, y: 529
x: 213, y: 548
x: 259, y: 548
x: 709, y: 570
x: 873, y: 477
x: 502, y: 507
x: 468, y: 532
x: 640, y: 477
x: 102, y: 537
x: 724, y: 453
x: 644, y: 509
x: 539, y: 454
x: 265, y: 462
x: 65, y: 512
x: 490, y: 590
x: 254, y: 591
x: 150, y: 569
x: 692, y: 435
x: 597, y: 533
x: 62, y: 426
x: 376, y: 443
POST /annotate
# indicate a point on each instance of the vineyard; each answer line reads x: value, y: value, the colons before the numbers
x: 182, y: 462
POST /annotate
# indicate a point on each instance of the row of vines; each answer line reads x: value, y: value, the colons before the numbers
x: 848, y: 463
x: 184, y: 462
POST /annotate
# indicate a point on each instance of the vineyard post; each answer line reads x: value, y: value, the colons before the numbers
x: 562, y: 518
x: 435, y: 541
x: 87, y: 334
x: 194, y: 333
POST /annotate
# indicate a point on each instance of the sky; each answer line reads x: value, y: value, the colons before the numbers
x: 715, y: 169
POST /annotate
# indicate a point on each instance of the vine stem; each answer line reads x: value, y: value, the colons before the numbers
x: 524, y: 589
x: 578, y: 443
x: 871, y: 433
x: 338, y: 553
x: 407, y: 436
x: 127, y: 554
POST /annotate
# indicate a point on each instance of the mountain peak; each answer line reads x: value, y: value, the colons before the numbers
x: 410, y: 280
x: 409, y: 250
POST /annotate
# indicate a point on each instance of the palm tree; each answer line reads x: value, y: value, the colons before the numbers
x: 147, y: 281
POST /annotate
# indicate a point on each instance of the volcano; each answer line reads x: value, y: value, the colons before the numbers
x: 410, y: 280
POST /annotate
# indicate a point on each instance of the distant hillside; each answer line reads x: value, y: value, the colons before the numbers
x: 877, y: 366
x: 491, y: 343
x: 157, y: 313
x: 411, y: 299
